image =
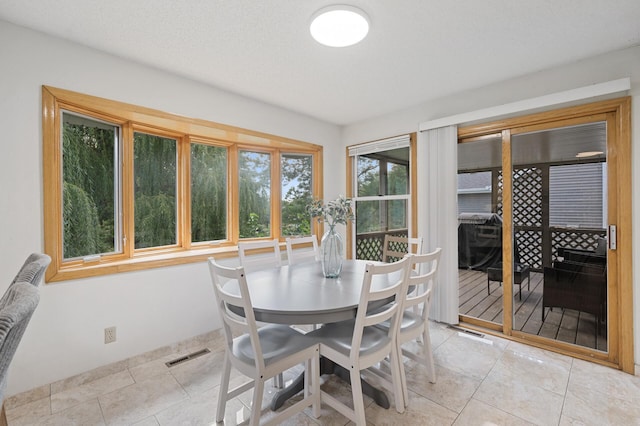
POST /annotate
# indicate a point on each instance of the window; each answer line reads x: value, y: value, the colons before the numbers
x: 208, y: 193
x: 381, y: 188
x: 296, y: 180
x: 129, y: 188
x: 154, y: 188
x: 255, y: 194
x: 90, y: 209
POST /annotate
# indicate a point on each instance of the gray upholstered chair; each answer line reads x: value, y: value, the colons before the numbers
x: 33, y: 269
x: 16, y: 307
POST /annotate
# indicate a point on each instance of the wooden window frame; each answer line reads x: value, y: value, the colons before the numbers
x: 186, y: 131
x: 412, y: 198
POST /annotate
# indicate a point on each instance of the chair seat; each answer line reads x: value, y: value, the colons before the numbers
x: 339, y: 336
x: 277, y: 341
x: 520, y: 273
x: 410, y: 321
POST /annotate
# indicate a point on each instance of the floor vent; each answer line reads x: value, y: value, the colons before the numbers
x: 186, y: 358
x: 467, y: 331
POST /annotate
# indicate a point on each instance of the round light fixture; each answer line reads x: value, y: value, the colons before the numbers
x: 339, y: 26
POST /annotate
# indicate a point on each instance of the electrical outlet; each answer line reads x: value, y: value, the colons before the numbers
x: 109, y: 335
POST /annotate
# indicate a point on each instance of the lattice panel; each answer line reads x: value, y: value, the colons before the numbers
x: 529, y: 244
x: 586, y: 240
x: 396, y: 246
x: 527, y: 197
x: 369, y: 247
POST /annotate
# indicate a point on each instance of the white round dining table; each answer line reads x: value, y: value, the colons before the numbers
x: 300, y: 294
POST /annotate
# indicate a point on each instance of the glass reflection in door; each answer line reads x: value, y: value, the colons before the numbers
x: 480, y: 229
x: 559, y: 234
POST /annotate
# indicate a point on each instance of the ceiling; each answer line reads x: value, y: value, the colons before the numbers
x: 416, y: 51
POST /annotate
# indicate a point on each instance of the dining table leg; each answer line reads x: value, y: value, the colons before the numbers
x: 328, y: 367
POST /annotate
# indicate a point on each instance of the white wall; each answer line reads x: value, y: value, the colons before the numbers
x: 610, y: 66
x: 151, y: 308
x: 162, y: 306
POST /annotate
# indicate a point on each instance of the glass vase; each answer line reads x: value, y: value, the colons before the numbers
x: 331, y: 250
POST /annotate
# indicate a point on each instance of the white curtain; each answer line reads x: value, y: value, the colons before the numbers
x: 437, y: 156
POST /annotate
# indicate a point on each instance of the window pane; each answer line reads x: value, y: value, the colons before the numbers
x: 397, y: 214
x: 89, y: 150
x: 381, y: 215
x: 155, y: 190
x: 208, y: 193
x: 368, y: 177
x: 398, y: 177
x: 474, y: 192
x: 255, y: 194
x: 576, y: 195
x: 295, y: 180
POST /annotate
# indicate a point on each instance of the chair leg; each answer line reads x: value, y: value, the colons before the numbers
x: 256, y: 403
x: 520, y: 290
x: 358, y: 399
x: 399, y: 378
x: 278, y: 381
x: 315, y: 384
x: 428, y: 355
x: 224, y: 388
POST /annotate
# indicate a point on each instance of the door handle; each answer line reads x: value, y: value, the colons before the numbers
x: 612, y: 237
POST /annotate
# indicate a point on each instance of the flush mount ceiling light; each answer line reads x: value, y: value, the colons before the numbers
x: 339, y: 26
x: 588, y: 154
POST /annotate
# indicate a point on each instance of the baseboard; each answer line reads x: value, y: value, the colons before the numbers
x: 47, y: 390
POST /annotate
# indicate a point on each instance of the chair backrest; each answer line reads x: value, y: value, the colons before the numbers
x: 394, y: 248
x: 16, y: 308
x: 32, y: 272
x: 385, y: 283
x: 426, y: 266
x: 302, y: 249
x: 236, y: 294
x: 33, y: 269
x: 256, y: 255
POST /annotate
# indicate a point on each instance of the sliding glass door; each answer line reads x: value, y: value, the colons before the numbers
x: 543, y: 229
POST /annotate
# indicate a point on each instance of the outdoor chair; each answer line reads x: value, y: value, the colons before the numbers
x: 521, y: 272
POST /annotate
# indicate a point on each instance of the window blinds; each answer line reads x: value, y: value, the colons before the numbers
x: 379, y: 146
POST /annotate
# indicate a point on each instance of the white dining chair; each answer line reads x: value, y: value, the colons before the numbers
x: 356, y: 345
x: 413, y: 326
x: 302, y: 249
x: 256, y: 255
x: 260, y: 353
x: 394, y: 248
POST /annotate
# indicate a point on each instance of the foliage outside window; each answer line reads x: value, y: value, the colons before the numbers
x: 296, y: 178
x: 208, y: 193
x: 129, y: 188
x: 155, y: 180
x: 381, y: 177
x: 89, y: 209
x: 255, y: 194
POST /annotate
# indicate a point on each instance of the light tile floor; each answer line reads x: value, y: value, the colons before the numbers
x: 479, y: 382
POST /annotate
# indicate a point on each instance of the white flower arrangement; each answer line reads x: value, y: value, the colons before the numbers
x: 334, y: 212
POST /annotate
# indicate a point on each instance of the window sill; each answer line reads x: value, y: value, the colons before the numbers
x: 138, y: 263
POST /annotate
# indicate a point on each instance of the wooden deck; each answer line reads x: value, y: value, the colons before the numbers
x: 559, y: 324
